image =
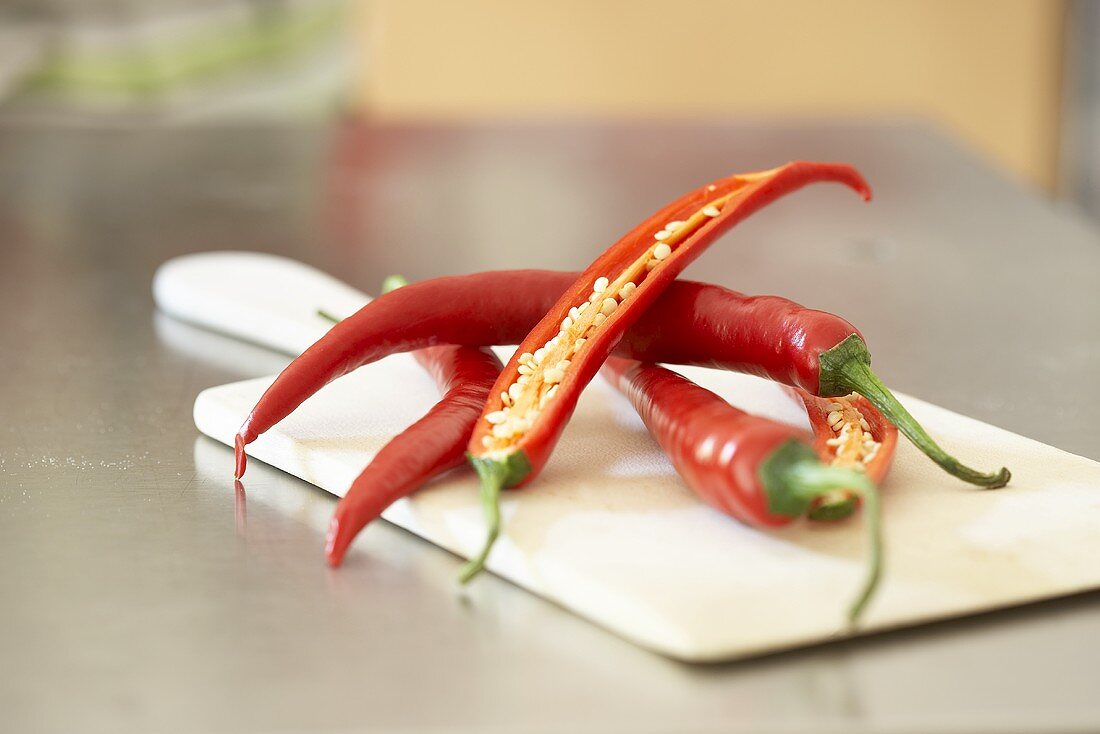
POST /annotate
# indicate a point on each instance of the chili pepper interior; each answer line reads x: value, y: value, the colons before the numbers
x: 539, y: 373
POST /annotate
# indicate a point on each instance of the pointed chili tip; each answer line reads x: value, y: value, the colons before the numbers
x: 336, y: 543
x: 239, y: 456
x: 860, y: 185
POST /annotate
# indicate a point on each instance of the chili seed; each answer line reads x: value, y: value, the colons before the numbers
x: 552, y: 376
x: 600, y: 285
x: 497, y: 416
x: 598, y: 319
x: 711, y: 211
x: 628, y: 288
x: 608, y: 306
x: 661, y: 251
x: 662, y: 235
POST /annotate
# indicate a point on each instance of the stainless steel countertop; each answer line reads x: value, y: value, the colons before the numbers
x: 140, y: 594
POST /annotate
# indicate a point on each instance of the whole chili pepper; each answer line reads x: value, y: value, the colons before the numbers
x: 754, y: 469
x: 427, y: 448
x: 538, y: 389
x: 691, y: 323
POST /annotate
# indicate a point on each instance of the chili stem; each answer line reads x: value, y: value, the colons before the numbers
x: 847, y: 368
x: 493, y: 475
x: 393, y: 282
x: 813, y: 479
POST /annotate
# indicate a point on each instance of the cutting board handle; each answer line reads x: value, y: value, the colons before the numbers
x: 264, y: 299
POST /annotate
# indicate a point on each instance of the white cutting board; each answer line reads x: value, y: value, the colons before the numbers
x: 610, y: 532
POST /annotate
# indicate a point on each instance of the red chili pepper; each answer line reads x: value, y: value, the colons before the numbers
x: 754, y: 469
x: 539, y: 387
x: 692, y: 323
x: 432, y: 445
x: 429, y: 447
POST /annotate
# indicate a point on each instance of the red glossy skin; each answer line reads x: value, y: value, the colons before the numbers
x: 766, y: 336
x: 691, y: 323
x: 432, y: 445
x: 882, y: 430
x: 716, y: 448
x: 752, y: 193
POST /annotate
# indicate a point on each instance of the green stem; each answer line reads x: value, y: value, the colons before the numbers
x: 793, y: 479
x: 812, y: 479
x: 846, y: 368
x: 393, y: 282
x: 493, y: 475
x: 327, y: 316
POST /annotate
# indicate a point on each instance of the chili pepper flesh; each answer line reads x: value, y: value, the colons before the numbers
x: 848, y: 432
x: 756, y: 470
x: 539, y: 387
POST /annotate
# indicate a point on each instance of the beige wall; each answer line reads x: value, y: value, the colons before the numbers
x: 987, y: 69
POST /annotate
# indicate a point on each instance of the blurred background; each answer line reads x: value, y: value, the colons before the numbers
x: 1018, y: 80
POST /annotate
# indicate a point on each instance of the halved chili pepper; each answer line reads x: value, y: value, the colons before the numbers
x: 848, y: 432
x: 691, y: 323
x: 539, y: 387
x: 427, y: 448
x: 754, y: 469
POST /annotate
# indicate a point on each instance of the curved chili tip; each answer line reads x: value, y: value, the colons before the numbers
x: 847, y: 175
